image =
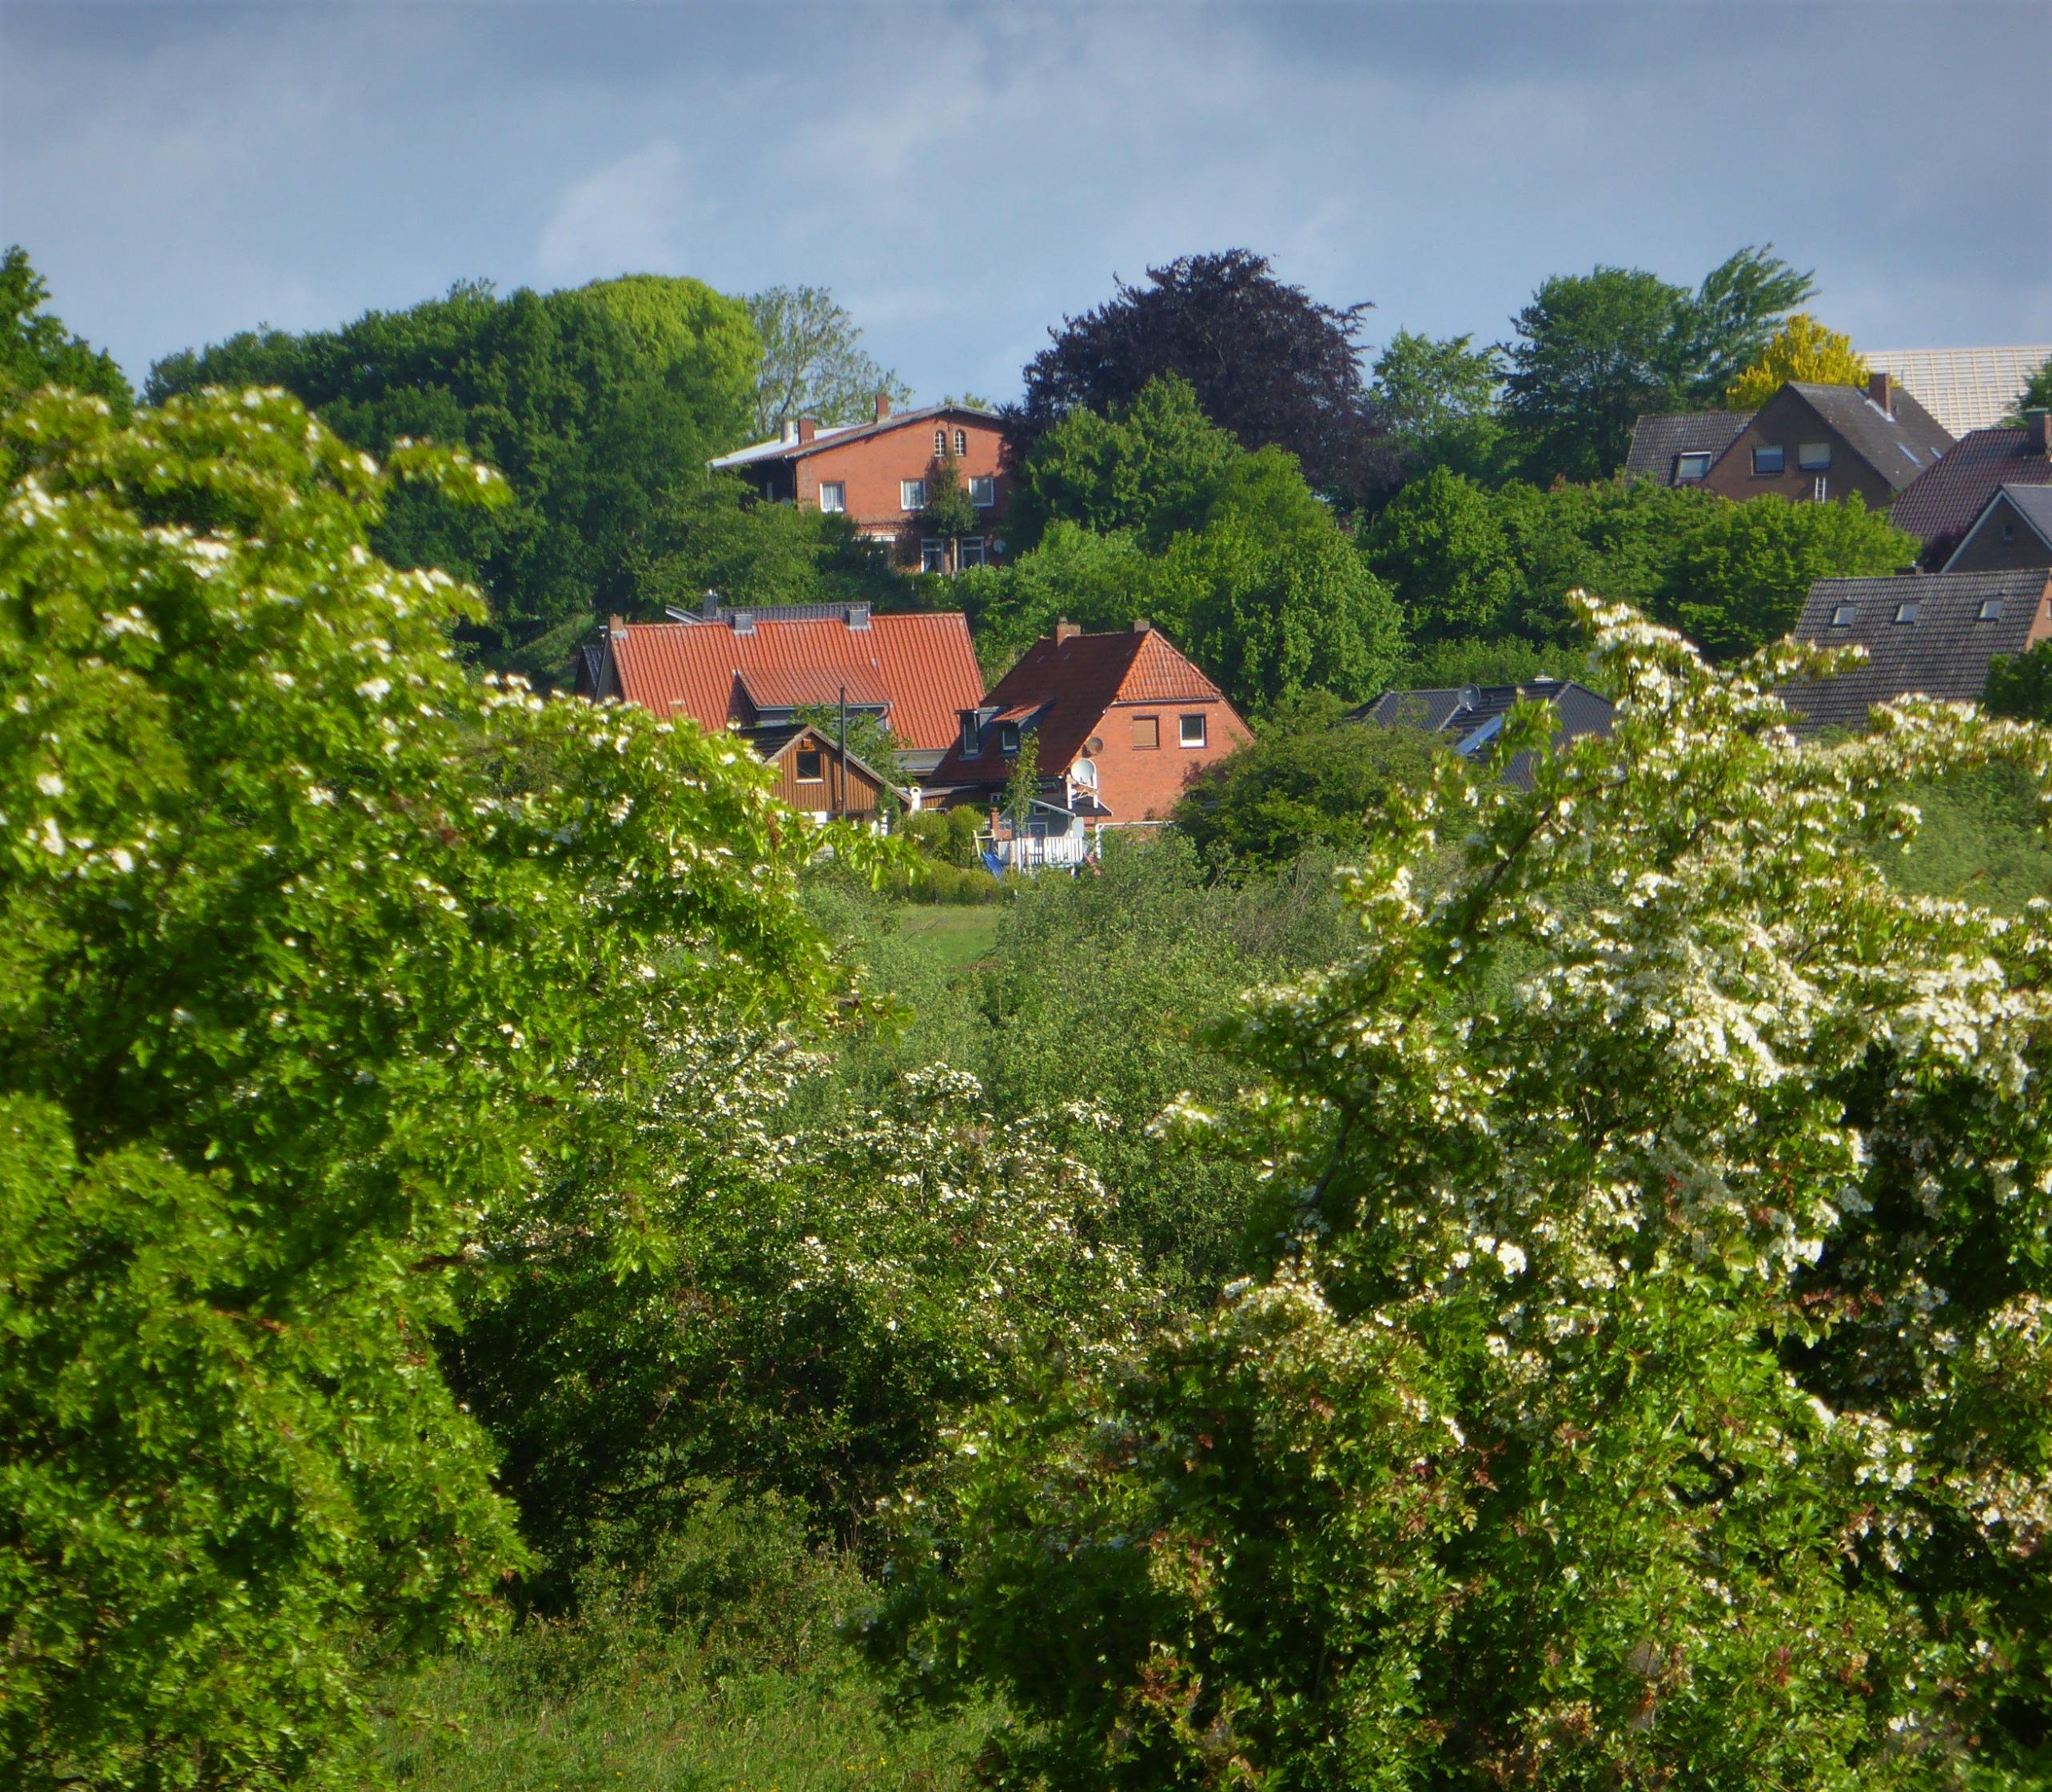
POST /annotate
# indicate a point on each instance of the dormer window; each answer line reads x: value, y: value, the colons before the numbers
x: 1907, y: 612
x: 972, y: 736
x: 1841, y: 616
x: 1689, y: 467
x: 1008, y: 739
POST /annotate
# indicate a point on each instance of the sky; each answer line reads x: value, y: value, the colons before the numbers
x: 963, y: 176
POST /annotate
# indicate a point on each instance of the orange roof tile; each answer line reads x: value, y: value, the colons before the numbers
x: 924, y: 665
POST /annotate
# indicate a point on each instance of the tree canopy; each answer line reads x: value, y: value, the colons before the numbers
x: 1595, y: 351
x: 1267, y: 363
x: 37, y: 350
x: 1802, y: 349
x: 290, y: 903
x: 812, y: 361
x: 1440, y: 398
x: 1644, y: 1386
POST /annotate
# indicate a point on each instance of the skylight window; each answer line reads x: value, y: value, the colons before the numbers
x: 1991, y: 609
x: 1690, y: 467
x: 1843, y: 615
x: 1907, y: 612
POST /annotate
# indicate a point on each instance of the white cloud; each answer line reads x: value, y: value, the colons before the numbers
x: 625, y: 219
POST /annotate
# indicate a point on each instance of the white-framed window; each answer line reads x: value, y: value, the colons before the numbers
x: 962, y: 441
x: 940, y: 441
x: 1008, y: 739
x: 933, y: 555
x: 983, y: 492
x: 1907, y: 612
x: 1769, y: 460
x: 811, y: 765
x: 1691, y: 467
x: 912, y: 494
x: 970, y: 551
x: 834, y: 496
x: 1190, y: 731
x: 1814, y: 457
x: 1842, y: 616
x: 1991, y: 609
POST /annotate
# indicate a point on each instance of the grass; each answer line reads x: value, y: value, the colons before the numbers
x: 954, y: 937
x: 483, y: 1721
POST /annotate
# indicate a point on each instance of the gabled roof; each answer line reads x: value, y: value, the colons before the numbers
x: 1943, y: 503
x: 1964, y: 388
x: 769, y: 688
x: 841, y: 434
x: 1901, y: 444
x: 1067, y: 684
x: 1471, y: 715
x: 922, y: 666
x: 1943, y: 652
x: 1659, y: 439
x: 2032, y: 503
x: 772, y: 742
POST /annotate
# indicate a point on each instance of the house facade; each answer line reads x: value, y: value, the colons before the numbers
x: 2014, y: 532
x: 1808, y: 442
x: 761, y: 671
x: 1121, y: 723
x: 1931, y: 635
x: 877, y: 475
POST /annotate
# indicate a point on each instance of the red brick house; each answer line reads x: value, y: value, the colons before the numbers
x: 1807, y: 442
x: 1941, y: 506
x: 875, y: 474
x: 755, y: 670
x: 1121, y: 723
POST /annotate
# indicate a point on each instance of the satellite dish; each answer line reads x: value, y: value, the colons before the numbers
x: 1084, y: 772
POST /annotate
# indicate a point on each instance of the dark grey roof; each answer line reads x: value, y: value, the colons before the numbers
x: 1942, y: 503
x: 1658, y: 440
x: 1901, y: 446
x: 1473, y: 714
x: 1943, y: 653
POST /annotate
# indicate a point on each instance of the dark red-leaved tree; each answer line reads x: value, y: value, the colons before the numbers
x: 1269, y: 362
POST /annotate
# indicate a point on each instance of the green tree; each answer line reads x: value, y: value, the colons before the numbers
x: 1439, y: 396
x: 2020, y: 684
x: 1307, y: 780
x: 1739, y: 579
x: 1646, y: 1389
x: 1152, y: 466
x: 1595, y: 351
x: 1440, y: 544
x: 37, y: 350
x: 316, y: 950
x: 2037, y: 393
x: 1271, y: 598
x: 717, y: 535
x: 1103, y: 582
x: 566, y: 394
x: 812, y: 364
x: 1803, y: 349
x: 947, y: 512
x: 1022, y: 782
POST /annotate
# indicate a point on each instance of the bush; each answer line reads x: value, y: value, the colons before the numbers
x: 948, y: 836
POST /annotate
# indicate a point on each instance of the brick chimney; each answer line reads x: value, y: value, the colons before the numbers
x: 808, y: 428
x: 1140, y: 625
x: 2037, y: 433
x: 882, y: 406
x: 1881, y: 388
x: 1067, y: 631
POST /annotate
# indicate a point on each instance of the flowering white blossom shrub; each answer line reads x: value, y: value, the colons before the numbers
x: 1650, y: 1387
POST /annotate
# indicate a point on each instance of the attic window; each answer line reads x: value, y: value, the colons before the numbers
x: 1814, y: 457
x: 1907, y: 612
x: 1691, y: 467
x: 962, y: 441
x: 1008, y: 739
x: 810, y: 770
x: 1192, y: 730
x: 940, y: 441
x: 1991, y: 609
x: 1146, y: 732
x: 1769, y: 461
x: 970, y: 734
x: 1841, y: 616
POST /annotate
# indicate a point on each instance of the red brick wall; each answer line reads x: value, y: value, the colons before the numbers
x: 1787, y: 421
x: 1139, y: 783
x: 872, y: 468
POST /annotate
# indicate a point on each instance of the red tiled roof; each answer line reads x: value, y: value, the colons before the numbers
x: 1941, y: 504
x: 811, y: 686
x: 1072, y: 681
x: 923, y: 665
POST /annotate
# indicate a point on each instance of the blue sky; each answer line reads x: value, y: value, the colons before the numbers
x: 963, y: 175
